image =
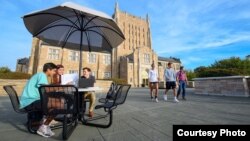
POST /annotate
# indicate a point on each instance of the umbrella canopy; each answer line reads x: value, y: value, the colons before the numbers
x: 74, y: 26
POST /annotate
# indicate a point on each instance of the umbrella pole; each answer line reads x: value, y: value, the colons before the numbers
x: 62, y: 56
x: 80, y: 61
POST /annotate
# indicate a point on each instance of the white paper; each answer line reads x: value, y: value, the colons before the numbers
x: 70, y: 79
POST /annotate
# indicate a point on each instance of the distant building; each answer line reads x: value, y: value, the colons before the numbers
x: 22, y: 65
x: 130, y: 61
x: 248, y: 57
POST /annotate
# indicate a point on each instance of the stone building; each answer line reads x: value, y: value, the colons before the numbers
x: 22, y: 65
x: 41, y: 53
x: 131, y: 60
x: 248, y: 57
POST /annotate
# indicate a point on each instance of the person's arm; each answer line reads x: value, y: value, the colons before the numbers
x: 149, y: 75
x: 42, y: 80
x: 186, y: 77
x: 157, y: 76
x: 165, y: 75
x: 177, y: 78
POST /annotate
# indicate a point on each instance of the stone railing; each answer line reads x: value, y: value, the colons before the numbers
x: 162, y: 85
x: 19, y: 85
x: 228, y: 86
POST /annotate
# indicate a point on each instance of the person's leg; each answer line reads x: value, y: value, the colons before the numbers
x: 92, y: 101
x: 151, y: 90
x: 92, y: 98
x: 54, y: 103
x: 44, y: 129
x: 156, y: 91
x: 174, y: 91
x: 184, y: 90
x: 179, y: 89
x: 166, y: 91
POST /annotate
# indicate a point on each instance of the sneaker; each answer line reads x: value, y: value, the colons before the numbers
x: 184, y: 98
x: 156, y: 100
x: 165, y: 97
x: 43, y: 131
x: 176, y: 100
x: 50, y: 131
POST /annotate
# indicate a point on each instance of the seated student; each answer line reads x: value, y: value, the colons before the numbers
x: 64, y: 79
x: 30, y: 98
x: 57, y: 78
x: 89, y: 95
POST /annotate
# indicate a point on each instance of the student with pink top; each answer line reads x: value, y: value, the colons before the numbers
x: 182, y: 78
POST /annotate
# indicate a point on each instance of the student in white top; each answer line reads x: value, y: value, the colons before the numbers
x: 153, y: 81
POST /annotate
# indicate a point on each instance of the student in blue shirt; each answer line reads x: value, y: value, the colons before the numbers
x: 30, y: 98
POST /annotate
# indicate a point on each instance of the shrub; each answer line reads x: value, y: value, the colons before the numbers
x: 212, y: 72
x: 4, y: 70
x: 190, y: 75
x: 14, y: 75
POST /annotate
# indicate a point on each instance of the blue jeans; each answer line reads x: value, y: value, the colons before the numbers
x: 182, y: 86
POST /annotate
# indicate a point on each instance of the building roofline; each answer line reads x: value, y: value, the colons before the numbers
x: 168, y: 59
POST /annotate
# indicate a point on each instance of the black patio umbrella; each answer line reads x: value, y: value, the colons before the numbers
x: 74, y: 26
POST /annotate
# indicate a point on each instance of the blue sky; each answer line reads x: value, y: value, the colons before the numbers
x: 198, y: 32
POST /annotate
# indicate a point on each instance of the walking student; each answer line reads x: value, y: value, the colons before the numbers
x: 182, y: 79
x: 170, y: 78
x: 153, y: 82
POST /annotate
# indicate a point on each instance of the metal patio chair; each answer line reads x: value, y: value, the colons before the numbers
x: 119, y: 98
x: 67, y: 95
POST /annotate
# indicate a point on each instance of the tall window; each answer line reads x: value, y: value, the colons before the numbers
x: 53, y: 54
x: 74, y: 56
x: 147, y: 58
x: 92, y: 58
x: 107, y: 74
x: 107, y: 59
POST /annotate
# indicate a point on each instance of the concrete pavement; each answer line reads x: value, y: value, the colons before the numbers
x: 139, y: 118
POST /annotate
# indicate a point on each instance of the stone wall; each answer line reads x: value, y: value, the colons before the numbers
x: 19, y: 85
x: 228, y: 86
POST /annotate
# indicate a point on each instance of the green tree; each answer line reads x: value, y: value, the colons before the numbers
x: 190, y: 75
x: 4, y: 70
x: 225, y: 67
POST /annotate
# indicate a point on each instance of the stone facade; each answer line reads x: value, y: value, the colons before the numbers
x: 228, y: 86
x: 19, y: 85
x: 131, y: 60
x: 137, y: 35
x: 100, y: 63
x: 22, y: 65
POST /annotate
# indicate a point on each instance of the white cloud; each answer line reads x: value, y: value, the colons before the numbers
x: 186, y: 26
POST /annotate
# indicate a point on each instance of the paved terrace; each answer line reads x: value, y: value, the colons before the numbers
x: 139, y: 118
